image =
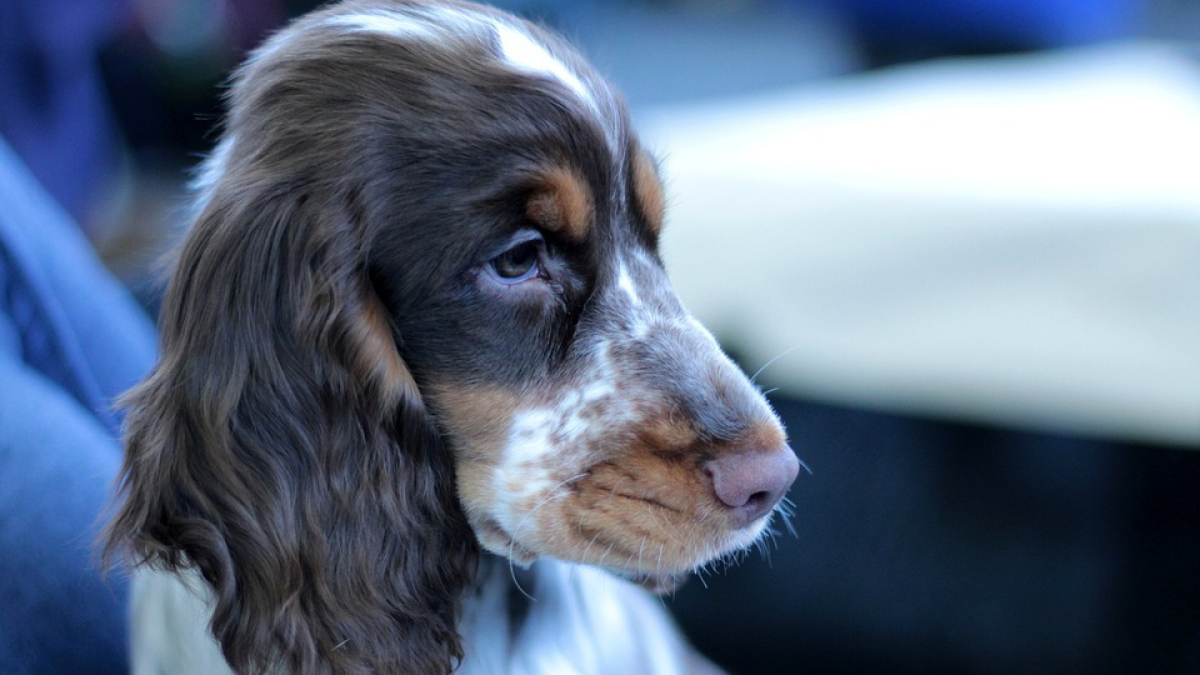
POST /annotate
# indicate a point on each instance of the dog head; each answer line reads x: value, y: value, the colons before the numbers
x: 422, y: 308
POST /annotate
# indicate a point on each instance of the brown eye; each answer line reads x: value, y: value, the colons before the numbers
x: 517, y: 264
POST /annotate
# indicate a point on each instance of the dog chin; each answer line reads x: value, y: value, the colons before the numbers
x: 495, y: 541
x: 660, y: 581
x: 657, y: 583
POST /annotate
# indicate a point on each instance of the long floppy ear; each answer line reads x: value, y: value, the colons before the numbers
x: 282, y: 449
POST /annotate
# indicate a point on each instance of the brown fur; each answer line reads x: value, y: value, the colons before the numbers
x: 562, y: 202
x: 269, y: 427
x: 648, y: 190
x: 340, y: 370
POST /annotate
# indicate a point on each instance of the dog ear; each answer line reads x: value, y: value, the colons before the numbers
x: 281, y: 448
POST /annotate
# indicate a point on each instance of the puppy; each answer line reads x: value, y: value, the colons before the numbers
x: 426, y: 400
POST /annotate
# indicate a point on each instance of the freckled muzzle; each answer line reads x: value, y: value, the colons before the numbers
x: 657, y: 457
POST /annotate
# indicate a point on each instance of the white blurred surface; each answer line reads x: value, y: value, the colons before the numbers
x: 1012, y: 240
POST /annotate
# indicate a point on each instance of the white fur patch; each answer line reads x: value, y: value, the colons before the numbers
x: 581, y: 621
x: 546, y: 445
x: 540, y: 432
x: 387, y: 23
x: 517, y: 48
x: 625, y: 283
x: 524, y: 472
x: 528, y: 436
x: 169, y: 625
x: 521, y: 52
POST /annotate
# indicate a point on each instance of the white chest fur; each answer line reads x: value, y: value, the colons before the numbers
x: 561, y: 620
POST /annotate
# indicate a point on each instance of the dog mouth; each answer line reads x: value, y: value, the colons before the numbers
x: 619, y: 482
x: 651, y: 547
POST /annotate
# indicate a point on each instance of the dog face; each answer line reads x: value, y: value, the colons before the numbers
x: 423, y: 293
x: 589, y: 415
x: 511, y: 223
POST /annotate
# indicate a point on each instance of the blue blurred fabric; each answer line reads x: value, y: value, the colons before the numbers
x: 71, y: 340
x: 54, y: 108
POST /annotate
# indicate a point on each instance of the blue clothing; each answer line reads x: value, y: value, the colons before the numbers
x: 71, y: 340
x: 54, y: 108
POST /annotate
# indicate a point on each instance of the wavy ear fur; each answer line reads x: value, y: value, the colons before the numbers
x: 282, y: 449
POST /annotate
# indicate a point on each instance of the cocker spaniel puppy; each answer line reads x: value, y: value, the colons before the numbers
x: 426, y: 398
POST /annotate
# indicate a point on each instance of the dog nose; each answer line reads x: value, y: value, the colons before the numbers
x: 751, y: 482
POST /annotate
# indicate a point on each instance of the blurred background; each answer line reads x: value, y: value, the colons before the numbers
x: 959, y: 238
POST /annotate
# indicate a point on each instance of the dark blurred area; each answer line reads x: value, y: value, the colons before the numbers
x: 929, y: 546
x: 923, y: 542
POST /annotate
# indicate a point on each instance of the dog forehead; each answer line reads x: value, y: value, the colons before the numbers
x: 434, y: 83
x: 514, y: 43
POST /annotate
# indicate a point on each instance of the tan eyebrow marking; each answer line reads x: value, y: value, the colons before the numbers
x: 647, y: 190
x: 561, y: 202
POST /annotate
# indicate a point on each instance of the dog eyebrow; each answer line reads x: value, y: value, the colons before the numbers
x: 647, y: 189
x: 561, y: 202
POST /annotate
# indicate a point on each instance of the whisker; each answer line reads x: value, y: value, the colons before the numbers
x: 587, y: 549
x: 787, y: 511
x: 662, y: 548
x: 804, y: 465
x: 512, y: 540
x: 754, y: 377
x: 551, y: 495
x: 512, y: 574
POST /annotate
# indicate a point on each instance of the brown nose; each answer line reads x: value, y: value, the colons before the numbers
x: 751, y: 483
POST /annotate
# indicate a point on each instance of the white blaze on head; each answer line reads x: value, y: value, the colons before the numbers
x: 521, y: 52
x: 518, y: 49
x: 387, y: 23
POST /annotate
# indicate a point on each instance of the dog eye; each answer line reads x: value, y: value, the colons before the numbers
x: 517, y: 264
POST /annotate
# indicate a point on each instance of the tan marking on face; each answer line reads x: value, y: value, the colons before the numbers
x: 766, y: 435
x: 562, y: 202
x: 647, y: 190
x: 377, y: 356
x: 667, y: 432
x: 477, y: 418
x: 650, y: 511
